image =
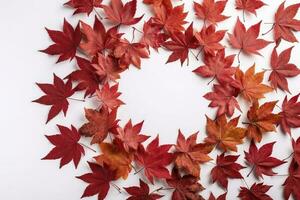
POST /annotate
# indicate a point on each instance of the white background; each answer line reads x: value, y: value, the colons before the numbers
x: 167, y: 97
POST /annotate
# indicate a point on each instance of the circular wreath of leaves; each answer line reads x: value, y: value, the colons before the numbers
x: 103, y: 53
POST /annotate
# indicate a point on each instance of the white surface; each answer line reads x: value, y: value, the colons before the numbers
x: 167, y: 97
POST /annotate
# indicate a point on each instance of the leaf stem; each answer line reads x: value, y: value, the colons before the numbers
x: 288, y: 157
x: 138, y: 171
x: 244, y: 16
x: 211, y: 80
x: 269, y: 30
x: 250, y: 171
x: 194, y: 55
x: 116, y: 187
x: 88, y: 147
x: 133, y: 167
x: 81, y: 100
x: 238, y: 56
x: 200, y: 51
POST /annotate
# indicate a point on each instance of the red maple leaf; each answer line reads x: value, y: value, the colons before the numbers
x: 121, y: 14
x: 290, y: 114
x: 84, y: 6
x: 85, y: 76
x: 296, y: 148
x: 171, y: 20
x: 223, y: 97
x: 211, y: 11
x: 142, y: 192
x: 100, y: 124
x: 180, y: 44
x: 66, y: 147
x: 99, y: 180
x: 249, y: 6
x: 225, y: 168
x: 246, y: 40
x: 221, y: 197
x: 209, y: 39
x: 130, y: 53
x: 285, y: 23
x: 281, y: 69
x: 185, y: 187
x: 157, y: 3
x: 152, y: 35
x: 97, y: 39
x: 257, y: 191
x: 107, y: 68
x: 130, y: 136
x: 154, y: 160
x: 57, y: 95
x: 66, y: 42
x: 261, y: 160
x: 108, y: 96
x: 218, y: 66
x: 292, y: 182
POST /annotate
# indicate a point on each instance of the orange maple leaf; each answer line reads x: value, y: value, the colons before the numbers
x: 189, y: 154
x: 116, y: 158
x: 250, y: 84
x: 225, y: 135
x: 261, y: 120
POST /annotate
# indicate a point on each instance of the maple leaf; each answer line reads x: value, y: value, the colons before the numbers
x: 209, y: 39
x: 225, y: 135
x: 56, y: 96
x: 115, y: 158
x: 285, y: 23
x: 98, y: 180
x: 261, y: 120
x: 211, y: 11
x: 290, y: 114
x: 154, y: 160
x: 66, y: 146
x: 249, y: 6
x: 189, y: 154
x: 221, y: 197
x: 130, y: 53
x: 246, y: 40
x: 292, y: 182
x: 130, y: 137
x: 257, y: 191
x: 171, y: 20
x: 121, y: 14
x: 97, y: 39
x: 281, y: 69
x: 180, y: 44
x: 107, y: 68
x: 296, y: 148
x: 251, y: 87
x: 218, y: 66
x: 100, y: 124
x: 86, y: 77
x: 226, y: 168
x: 66, y: 42
x: 261, y: 160
x: 223, y: 97
x: 84, y: 6
x: 185, y: 187
x: 152, y: 35
x: 156, y: 3
x: 108, y: 96
x: 142, y: 192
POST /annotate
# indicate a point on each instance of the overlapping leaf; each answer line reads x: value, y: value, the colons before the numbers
x: 261, y: 119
